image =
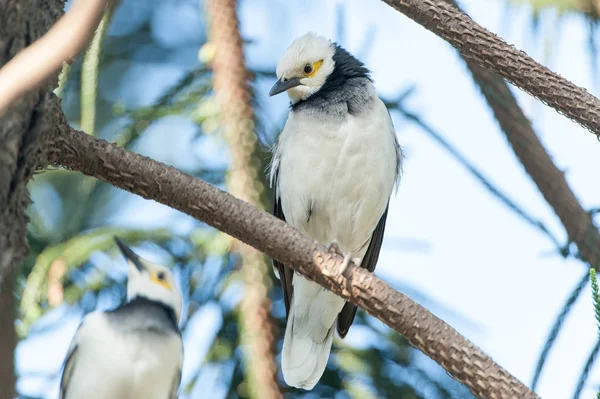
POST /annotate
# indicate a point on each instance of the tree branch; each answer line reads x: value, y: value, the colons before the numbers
x: 487, y: 50
x: 486, y: 183
x: 44, y: 58
x: 154, y: 180
x: 531, y: 153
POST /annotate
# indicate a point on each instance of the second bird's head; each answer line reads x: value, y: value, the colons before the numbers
x: 309, y: 63
x: 150, y: 280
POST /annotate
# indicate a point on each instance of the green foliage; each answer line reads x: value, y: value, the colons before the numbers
x: 596, y: 300
x: 595, y: 295
x: 562, y: 6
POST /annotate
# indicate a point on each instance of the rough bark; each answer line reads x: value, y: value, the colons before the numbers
x: 21, y: 22
x: 8, y: 338
x: 537, y: 162
x: 154, y: 180
x: 487, y: 50
x: 245, y: 180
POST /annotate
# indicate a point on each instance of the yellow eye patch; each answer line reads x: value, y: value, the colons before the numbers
x: 311, y: 70
x: 159, y: 278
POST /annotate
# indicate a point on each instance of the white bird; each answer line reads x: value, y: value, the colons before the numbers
x: 134, y: 351
x: 334, y: 168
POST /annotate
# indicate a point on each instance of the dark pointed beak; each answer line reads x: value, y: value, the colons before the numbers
x: 129, y: 254
x: 281, y: 86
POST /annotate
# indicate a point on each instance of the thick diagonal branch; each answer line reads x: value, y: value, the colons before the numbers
x: 531, y: 153
x: 244, y: 180
x: 154, y: 180
x: 488, y: 50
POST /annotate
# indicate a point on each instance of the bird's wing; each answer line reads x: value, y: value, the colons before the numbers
x: 176, y: 383
x: 177, y: 376
x: 369, y: 261
x: 88, y: 323
x: 68, y: 368
x: 285, y: 273
x: 76, y: 354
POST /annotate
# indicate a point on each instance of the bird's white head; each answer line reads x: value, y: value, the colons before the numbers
x: 304, y: 67
x: 150, y: 280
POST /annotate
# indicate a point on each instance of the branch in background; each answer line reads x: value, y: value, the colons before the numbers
x: 245, y: 180
x: 586, y: 370
x: 483, y: 48
x: 556, y: 327
x: 594, y: 353
x: 89, y: 75
x: 478, y: 175
x: 165, y: 105
x: 157, y: 181
x: 63, y: 78
x: 529, y: 150
x: 537, y: 163
x: 44, y: 58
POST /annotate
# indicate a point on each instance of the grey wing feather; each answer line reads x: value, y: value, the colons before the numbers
x: 68, y: 368
x: 369, y: 262
x: 285, y: 273
x: 176, y: 383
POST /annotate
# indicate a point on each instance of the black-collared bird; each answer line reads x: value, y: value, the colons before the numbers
x: 135, y: 350
x: 333, y: 171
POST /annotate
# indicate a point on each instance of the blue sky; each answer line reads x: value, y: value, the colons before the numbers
x: 478, y: 259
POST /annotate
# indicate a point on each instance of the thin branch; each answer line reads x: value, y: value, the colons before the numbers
x: 154, y: 180
x: 485, y: 49
x: 36, y: 63
x: 586, y: 370
x: 495, y: 191
x: 89, y: 76
x: 556, y: 327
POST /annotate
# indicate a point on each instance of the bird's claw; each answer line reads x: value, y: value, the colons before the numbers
x: 347, y: 259
x: 335, y: 247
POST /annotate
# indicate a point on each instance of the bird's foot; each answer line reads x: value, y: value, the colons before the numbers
x: 345, y: 263
x: 335, y: 247
x: 347, y: 259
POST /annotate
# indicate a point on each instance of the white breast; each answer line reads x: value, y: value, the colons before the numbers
x: 335, y: 178
x: 112, y: 365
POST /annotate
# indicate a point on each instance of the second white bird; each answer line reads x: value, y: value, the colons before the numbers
x: 134, y: 351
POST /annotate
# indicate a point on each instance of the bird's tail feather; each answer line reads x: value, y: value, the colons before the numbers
x: 304, y: 360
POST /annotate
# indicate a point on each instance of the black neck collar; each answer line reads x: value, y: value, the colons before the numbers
x: 348, y: 73
x: 141, y: 300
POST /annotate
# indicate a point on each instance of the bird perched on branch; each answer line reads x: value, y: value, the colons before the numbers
x: 134, y: 351
x: 333, y: 171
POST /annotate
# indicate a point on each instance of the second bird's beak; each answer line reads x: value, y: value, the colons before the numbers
x: 281, y: 86
x: 130, y: 255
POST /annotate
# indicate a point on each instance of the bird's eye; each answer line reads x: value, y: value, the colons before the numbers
x: 161, y: 276
x: 308, y: 69
x: 284, y: 80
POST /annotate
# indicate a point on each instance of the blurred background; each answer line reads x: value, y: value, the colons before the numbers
x: 451, y: 243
